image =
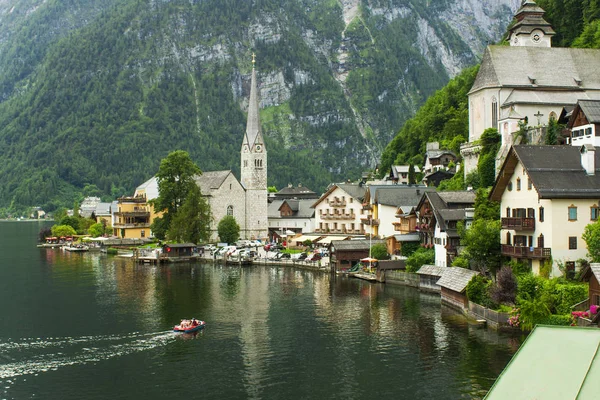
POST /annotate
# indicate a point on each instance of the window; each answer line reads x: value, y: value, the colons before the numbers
x: 518, y: 183
x: 143, y: 233
x: 245, y: 163
x: 507, y: 212
x: 230, y: 185
x: 229, y: 210
x: 509, y: 186
x: 530, y: 213
x: 351, y: 198
x: 508, y: 238
x: 529, y: 184
x: 494, y: 113
x: 572, y: 213
x: 594, y: 211
x: 541, y: 214
x: 540, y: 241
x: 572, y: 242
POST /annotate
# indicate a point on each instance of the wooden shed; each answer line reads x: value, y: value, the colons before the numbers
x: 346, y: 253
x: 429, y: 275
x: 592, y: 274
x: 179, y: 250
x: 453, y: 283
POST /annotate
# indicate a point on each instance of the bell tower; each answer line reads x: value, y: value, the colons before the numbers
x: 254, y: 168
x: 531, y: 29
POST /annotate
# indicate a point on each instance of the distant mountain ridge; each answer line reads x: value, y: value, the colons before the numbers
x: 97, y: 92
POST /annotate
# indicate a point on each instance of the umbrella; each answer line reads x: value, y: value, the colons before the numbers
x: 368, y: 259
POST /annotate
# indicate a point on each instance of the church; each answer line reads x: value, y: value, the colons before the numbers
x: 245, y: 200
x: 529, y: 81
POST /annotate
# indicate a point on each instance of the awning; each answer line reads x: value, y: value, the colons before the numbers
x: 304, y: 238
x: 328, y: 239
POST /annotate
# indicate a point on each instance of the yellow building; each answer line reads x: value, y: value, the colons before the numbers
x: 133, y: 215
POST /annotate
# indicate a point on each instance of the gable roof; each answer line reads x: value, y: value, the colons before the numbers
x: 253, y: 130
x: 431, y: 154
x: 555, y: 172
x: 449, y: 206
x: 398, y: 195
x: 513, y: 66
x: 302, y: 208
x: 356, y: 191
x: 427, y: 269
x: 554, y: 362
x: 211, y: 180
x: 456, y: 278
x: 362, y: 244
x: 591, y: 110
x: 299, y: 191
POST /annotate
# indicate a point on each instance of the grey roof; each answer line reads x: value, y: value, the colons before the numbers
x: 551, y: 179
x: 303, y: 208
x: 408, y: 237
x: 363, y: 244
x: 299, y: 191
x: 547, y: 97
x: 595, y: 267
x: 438, y: 153
x: 103, y: 209
x: 456, y: 279
x: 591, y: 109
x: 450, y: 206
x: 211, y: 180
x: 398, y: 195
x: 354, y: 190
x: 530, y: 17
x: 458, y: 197
x: 527, y: 67
x: 428, y: 269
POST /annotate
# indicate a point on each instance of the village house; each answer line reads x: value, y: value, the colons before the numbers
x: 453, y: 284
x: 514, y: 86
x: 399, y: 174
x: 584, y: 123
x: 437, y: 159
x: 547, y: 195
x: 439, y: 215
x: 103, y: 213
x: 340, y: 210
x: 290, y: 217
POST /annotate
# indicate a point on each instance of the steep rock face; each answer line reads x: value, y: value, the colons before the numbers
x: 337, y: 81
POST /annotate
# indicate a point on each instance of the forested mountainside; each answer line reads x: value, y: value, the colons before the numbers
x: 97, y: 92
x: 445, y: 115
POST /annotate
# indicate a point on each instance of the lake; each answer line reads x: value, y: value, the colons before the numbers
x: 96, y: 326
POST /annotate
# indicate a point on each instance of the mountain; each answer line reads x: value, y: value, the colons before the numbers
x: 93, y: 94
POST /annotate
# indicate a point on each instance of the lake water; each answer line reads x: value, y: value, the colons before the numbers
x: 93, y: 326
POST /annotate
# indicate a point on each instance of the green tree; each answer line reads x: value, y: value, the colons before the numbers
x: 96, y: 230
x: 379, y: 251
x: 486, y: 167
x: 482, y: 245
x: 191, y: 224
x: 412, y: 179
x: 484, y: 207
x: 228, y: 229
x: 63, y: 230
x: 73, y: 222
x: 272, y: 189
x: 175, y: 180
x: 591, y: 235
x: 552, y: 132
x: 419, y: 258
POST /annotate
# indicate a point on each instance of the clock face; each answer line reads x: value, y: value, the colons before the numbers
x: 258, y: 147
x: 536, y: 36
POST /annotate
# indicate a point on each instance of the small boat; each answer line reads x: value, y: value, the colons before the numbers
x: 78, y: 248
x: 189, y: 326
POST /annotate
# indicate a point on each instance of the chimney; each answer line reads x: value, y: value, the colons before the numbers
x: 588, y: 158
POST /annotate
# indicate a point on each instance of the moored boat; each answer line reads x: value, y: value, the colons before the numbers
x: 189, y: 325
x: 76, y: 248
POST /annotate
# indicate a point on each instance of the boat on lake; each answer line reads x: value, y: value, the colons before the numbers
x: 76, y: 248
x: 189, y: 326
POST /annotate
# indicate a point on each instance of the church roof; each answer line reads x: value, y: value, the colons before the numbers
x: 530, y: 17
x: 211, y: 180
x: 528, y: 67
x: 253, y: 130
x: 551, y: 179
x: 547, y: 97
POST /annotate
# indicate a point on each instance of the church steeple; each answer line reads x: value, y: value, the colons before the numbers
x: 253, y: 135
x: 531, y: 29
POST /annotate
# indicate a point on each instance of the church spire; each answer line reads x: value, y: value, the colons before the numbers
x: 253, y: 131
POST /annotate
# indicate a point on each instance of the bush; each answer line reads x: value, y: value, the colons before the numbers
x: 505, y: 290
x: 461, y: 262
x: 529, y: 285
x: 420, y: 258
x: 408, y: 248
x: 519, y: 267
x: 379, y: 251
x: 531, y: 311
x: 563, y: 320
x: 478, y: 291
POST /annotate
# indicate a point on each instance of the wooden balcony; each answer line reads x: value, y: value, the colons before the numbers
x: 519, y: 224
x: 337, y: 203
x: 337, y: 216
x: 370, y: 221
x: 131, y: 225
x: 534, y: 253
x: 133, y: 214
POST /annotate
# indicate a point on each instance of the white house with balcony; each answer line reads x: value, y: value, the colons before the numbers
x: 340, y: 210
x: 547, y: 195
x: 584, y: 123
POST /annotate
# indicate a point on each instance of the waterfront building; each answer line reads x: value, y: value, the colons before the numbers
x: 453, y: 284
x: 439, y: 215
x: 346, y: 253
x: 103, y: 214
x: 88, y: 206
x: 290, y: 215
x: 547, y: 195
x: 340, y: 210
x: 515, y: 85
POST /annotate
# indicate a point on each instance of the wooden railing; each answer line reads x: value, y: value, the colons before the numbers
x: 519, y: 224
x: 526, y: 252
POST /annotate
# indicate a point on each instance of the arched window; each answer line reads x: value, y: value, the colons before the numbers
x: 229, y: 210
x: 507, y: 212
x: 508, y: 238
x: 553, y: 116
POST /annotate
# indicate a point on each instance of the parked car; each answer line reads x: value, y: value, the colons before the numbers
x: 313, y: 257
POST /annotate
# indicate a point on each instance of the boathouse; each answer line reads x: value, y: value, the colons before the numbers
x: 429, y: 275
x: 346, y: 253
x: 179, y: 250
x: 453, y: 283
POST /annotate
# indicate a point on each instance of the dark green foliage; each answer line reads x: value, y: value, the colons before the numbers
x: 191, y: 224
x: 228, y: 229
x: 486, y: 167
x: 44, y: 233
x: 96, y: 230
x: 408, y: 248
x: 379, y: 251
x: 478, y: 291
x: 419, y: 258
x: 553, y: 131
x: 561, y: 320
x: 443, y: 118
x: 484, y: 207
x: 159, y: 227
x: 73, y: 222
x: 482, y: 245
x: 519, y: 267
